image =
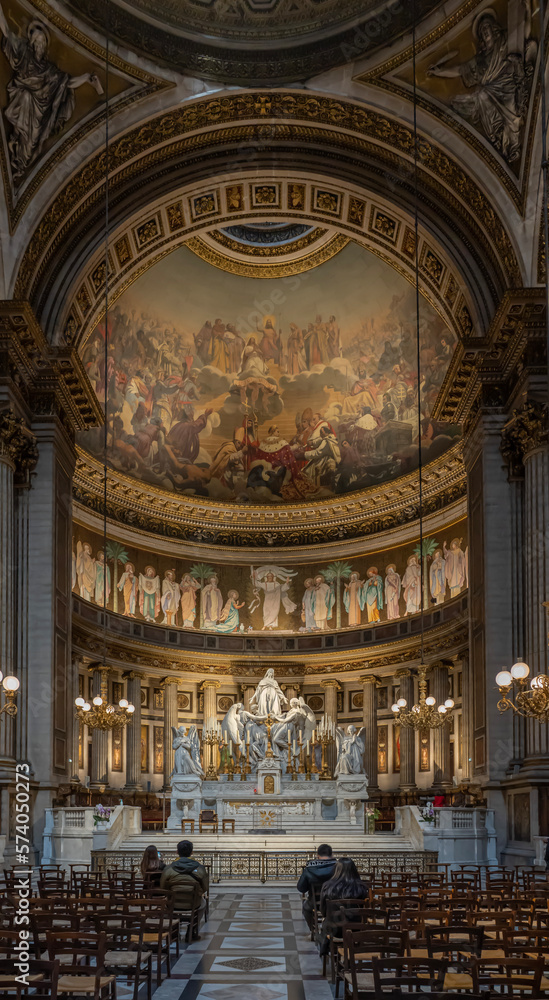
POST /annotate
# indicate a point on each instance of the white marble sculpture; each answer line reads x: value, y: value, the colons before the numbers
x: 187, y: 752
x: 350, y: 751
x: 268, y: 697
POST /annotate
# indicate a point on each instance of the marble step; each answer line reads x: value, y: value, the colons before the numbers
x: 340, y: 841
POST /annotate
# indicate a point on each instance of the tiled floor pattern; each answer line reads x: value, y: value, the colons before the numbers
x: 255, y: 946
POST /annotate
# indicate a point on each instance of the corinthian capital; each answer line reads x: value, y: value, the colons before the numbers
x: 18, y: 445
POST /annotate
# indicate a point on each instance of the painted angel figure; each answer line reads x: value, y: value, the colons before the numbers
x: 350, y: 751
x: 187, y: 752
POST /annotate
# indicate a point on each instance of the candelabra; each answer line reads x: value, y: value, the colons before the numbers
x: 212, y: 739
x: 423, y: 715
x: 246, y: 769
x: 301, y: 768
x: 314, y: 768
x: 531, y: 703
x: 103, y: 715
x: 326, y: 735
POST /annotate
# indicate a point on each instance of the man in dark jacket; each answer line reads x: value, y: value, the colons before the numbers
x: 314, y: 874
x: 183, y: 877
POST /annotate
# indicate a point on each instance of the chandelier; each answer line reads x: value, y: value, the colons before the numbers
x: 422, y: 715
x: 531, y: 698
x: 103, y: 715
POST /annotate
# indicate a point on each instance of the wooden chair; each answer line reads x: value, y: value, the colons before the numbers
x: 363, y: 918
x: 157, y: 932
x: 82, y: 957
x: 208, y: 818
x: 42, y: 978
x: 495, y: 922
x: 402, y: 977
x: 512, y: 977
x: 415, y: 922
x: 360, y: 950
x: 126, y: 955
x: 340, y: 913
x: 458, y: 945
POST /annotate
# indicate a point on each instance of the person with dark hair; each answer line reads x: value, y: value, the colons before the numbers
x: 183, y: 876
x: 152, y: 865
x: 313, y: 876
x: 345, y: 883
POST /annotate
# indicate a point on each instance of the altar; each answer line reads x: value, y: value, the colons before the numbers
x: 267, y: 771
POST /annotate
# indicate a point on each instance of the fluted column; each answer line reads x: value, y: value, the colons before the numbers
x: 7, y: 576
x: 169, y: 686
x: 74, y: 776
x: 441, y: 737
x: 209, y: 688
x: 407, y: 736
x: 246, y: 694
x: 536, y: 567
x: 369, y: 721
x: 133, y: 735
x: 466, y: 718
x: 291, y: 691
x: 100, y: 739
x: 331, y: 687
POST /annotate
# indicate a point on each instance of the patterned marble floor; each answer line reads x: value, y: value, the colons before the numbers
x: 256, y: 945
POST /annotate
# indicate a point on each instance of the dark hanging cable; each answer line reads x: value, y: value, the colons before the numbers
x: 106, y: 357
x: 544, y: 167
x: 418, y: 347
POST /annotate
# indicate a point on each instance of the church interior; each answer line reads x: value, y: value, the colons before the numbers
x: 274, y: 518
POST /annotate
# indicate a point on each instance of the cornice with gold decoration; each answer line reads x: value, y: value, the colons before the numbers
x: 338, y: 124
x: 366, y: 512
x: 297, y: 246
x: 444, y: 640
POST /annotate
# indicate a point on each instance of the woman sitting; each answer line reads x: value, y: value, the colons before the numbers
x: 345, y: 883
x: 152, y: 866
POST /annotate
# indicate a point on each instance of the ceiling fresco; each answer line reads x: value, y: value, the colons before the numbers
x: 269, y: 390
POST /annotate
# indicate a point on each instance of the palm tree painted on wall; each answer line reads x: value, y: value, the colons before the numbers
x: 428, y: 548
x: 335, y: 573
x: 201, y: 572
x: 118, y: 554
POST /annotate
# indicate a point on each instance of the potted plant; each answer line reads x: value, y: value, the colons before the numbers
x: 428, y: 813
x: 101, y: 815
x: 372, y: 813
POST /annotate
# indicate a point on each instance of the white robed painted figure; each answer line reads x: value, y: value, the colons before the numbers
x: 274, y: 581
x: 350, y: 751
x: 187, y: 752
x: 268, y: 697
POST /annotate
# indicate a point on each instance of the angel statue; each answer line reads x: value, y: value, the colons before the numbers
x: 350, y: 751
x: 187, y: 752
x: 232, y: 726
x: 310, y: 724
x: 268, y: 696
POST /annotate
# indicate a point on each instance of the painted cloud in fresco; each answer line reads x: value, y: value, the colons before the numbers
x: 269, y: 390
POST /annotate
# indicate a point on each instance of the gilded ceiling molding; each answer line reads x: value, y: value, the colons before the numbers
x: 444, y: 641
x: 271, y: 250
x: 196, y: 519
x: 267, y: 269
x: 140, y: 83
x: 383, y: 77
x: 277, y: 118
x: 384, y: 230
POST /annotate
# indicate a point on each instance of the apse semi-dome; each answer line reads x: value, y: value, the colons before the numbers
x: 269, y: 390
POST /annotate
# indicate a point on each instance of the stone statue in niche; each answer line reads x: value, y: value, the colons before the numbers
x: 498, y: 79
x: 187, y: 752
x: 350, y: 751
x: 40, y: 95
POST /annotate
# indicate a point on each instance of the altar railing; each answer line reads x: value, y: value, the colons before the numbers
x: 272, y: 866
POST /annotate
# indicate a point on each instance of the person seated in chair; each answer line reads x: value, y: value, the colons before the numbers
x: 314, y: 874
x: 183, y: 876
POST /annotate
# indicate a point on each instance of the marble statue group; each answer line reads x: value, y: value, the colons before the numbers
x: 292, y: 724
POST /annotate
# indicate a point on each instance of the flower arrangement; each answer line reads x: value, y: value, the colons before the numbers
x: 428, y: 813
x: 101, y: 814
x: 371, y: 813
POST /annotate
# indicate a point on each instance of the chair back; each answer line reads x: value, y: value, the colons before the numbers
x: 208, y: 815
x: 401, y: 977
x: 42, y: 976
x: 451, y: 942
x: 507, y: 976
x: 79, y: 954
